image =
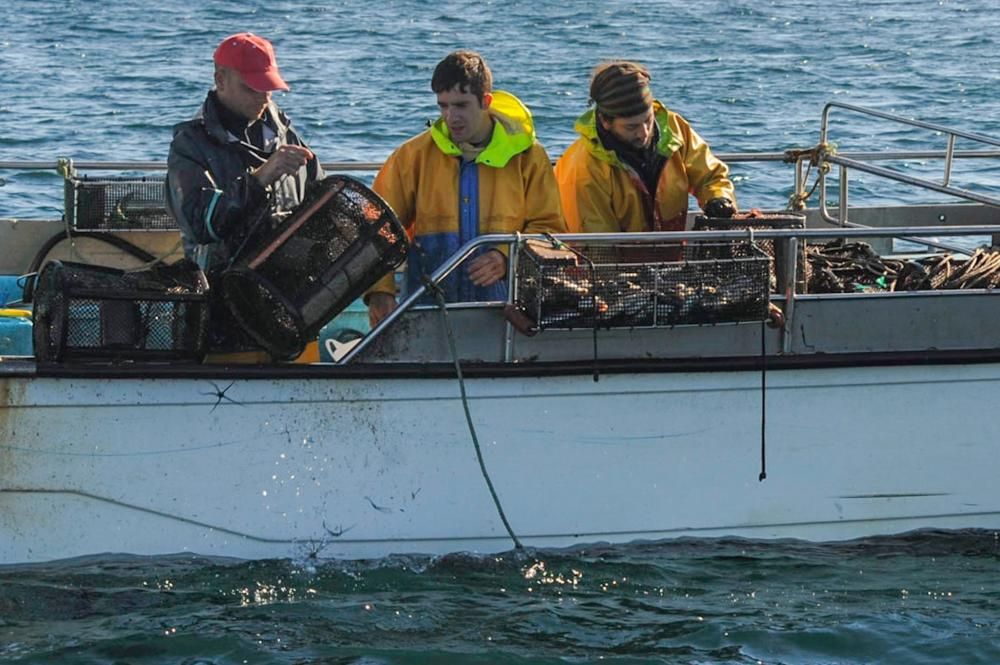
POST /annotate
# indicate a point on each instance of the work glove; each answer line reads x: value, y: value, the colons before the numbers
x: 720, y: 207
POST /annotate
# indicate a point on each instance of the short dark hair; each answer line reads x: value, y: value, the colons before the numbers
x: 467, y: 70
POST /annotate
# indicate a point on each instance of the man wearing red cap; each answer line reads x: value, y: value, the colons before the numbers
x: 636, y: 162
x: 236, y: 169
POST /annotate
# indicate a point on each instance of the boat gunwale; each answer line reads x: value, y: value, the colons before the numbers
x: 13, y: 368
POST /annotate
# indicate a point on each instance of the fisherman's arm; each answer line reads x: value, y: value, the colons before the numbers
x: 206, y: 209
x: 542, y: 214
x: 542, y: 207
x: 286, y: 160
x: 708, y: 176
x: 585, y: 189
x: 400, y: 194
x: 314, y: 170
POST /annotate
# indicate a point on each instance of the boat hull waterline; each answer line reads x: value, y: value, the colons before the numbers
x: 365, y: 468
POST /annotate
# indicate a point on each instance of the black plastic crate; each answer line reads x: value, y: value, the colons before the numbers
x: 117, y: 204
x: 85, y: 312
x: 627, y: 285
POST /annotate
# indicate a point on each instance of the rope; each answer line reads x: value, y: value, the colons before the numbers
x: 159, y: 259
x: 439, y: 296
x: 841, y: 267
x: 36, y: 263
x: 797, y: 201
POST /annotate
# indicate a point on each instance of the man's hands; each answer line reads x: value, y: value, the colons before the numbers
x: 488, y: 269
x: 286, y: 160
x: 720, y: 207
x: 484, y: 270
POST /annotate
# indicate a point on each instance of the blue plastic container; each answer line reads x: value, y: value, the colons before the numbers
x: 10, y: 290
x: 15, y: 333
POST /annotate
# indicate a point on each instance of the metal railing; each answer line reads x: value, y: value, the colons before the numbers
x: 341, y: 167
x: 790, y: 236
x: 848, y: 160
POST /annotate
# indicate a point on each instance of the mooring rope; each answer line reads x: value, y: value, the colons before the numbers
x: 797, y: 201
x: 439, y: 296
x: 845, y: 267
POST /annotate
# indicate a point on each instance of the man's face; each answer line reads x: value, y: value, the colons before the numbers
x: 468, y: 121
x: 635, y: 130
x: 237, y: 96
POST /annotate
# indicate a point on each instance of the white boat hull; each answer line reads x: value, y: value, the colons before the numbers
x: 357, y: 468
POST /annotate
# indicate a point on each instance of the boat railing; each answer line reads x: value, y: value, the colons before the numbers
x: 788, y: 156
x: 824, y: 153
x: 786, y: 290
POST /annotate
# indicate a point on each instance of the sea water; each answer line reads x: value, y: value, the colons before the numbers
x: 107, y: 80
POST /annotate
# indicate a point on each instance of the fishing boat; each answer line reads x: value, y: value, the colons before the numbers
x: 812, y: 415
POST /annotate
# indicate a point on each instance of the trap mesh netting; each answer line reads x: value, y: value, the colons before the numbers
x: 776, y: 249
x: 85, y: 312
x: 117, y: 204
x: 642, y: 285
x: 338, y: 242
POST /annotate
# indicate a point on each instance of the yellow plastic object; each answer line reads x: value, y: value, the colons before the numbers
x: 308, y: 356
x: 21, y: 313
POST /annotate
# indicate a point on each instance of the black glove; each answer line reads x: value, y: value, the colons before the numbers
x: 720, y: 207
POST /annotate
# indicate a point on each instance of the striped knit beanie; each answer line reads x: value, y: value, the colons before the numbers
x: 621, y: 89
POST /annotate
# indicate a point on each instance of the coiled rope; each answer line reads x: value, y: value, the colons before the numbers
x: 851, y: 267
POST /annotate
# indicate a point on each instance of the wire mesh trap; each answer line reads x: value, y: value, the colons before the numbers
x: 628, y: 286
x: 776, y: 249
x: 338, y: 242
x: 117, y: 204
x: 85, y: 312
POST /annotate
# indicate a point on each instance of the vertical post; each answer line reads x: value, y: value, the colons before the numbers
x: 824, y: 212
x: 800, y: 185
x: 508, y: 331
x: 842, y: 215
x: 788, y: 288
x: 949, y: 158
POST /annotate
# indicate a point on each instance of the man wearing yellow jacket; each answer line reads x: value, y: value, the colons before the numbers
x: 635, y: 161
x: 477, y: 170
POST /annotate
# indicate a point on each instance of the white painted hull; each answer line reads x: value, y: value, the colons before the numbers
x: 364, y: 468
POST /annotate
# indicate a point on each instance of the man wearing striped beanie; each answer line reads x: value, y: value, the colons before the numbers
x: 636, y: 162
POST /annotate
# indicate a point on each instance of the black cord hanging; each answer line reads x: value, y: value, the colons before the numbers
x: 763, y: 402
x: 439, y: 296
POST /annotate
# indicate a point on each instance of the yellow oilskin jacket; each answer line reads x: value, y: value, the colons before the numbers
x: 517, y: 190
x: 600, y: 194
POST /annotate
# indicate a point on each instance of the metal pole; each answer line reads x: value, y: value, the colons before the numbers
x: 842, y: 215
x: 508, y: 341
x: 948, y: 158
x: 791, y: 277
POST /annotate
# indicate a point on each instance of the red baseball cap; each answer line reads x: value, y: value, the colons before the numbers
x: 253, y: 58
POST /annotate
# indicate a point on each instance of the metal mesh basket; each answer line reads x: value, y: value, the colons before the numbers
x: 117, y: 204
x: 776, y: 249
x: 338, y: 242
x: 642, y: 285
x: 85, y: 312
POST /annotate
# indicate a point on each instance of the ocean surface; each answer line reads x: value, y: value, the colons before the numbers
x: 107, y: 80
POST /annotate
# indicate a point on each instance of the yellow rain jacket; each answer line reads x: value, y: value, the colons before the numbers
x: 600, y: 193
x: 517, y: 191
